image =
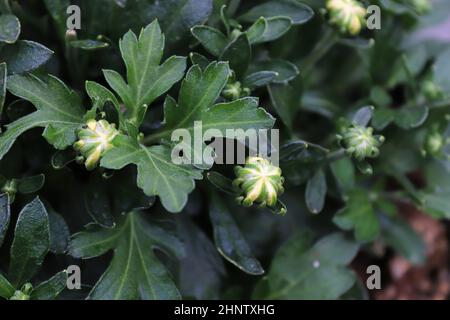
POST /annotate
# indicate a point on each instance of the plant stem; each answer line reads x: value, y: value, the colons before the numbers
x: 322, y: 47
x: 152, y: 138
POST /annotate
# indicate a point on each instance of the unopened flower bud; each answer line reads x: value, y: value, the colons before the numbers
x: 234, y: 90
x: 435, y: 143
x: 259, y: 182
x: 360, y: 143
x: 23, y: 293
x: 94, y: 139
x: 347, y: 15
x: 432, y: 91
x: 421, y: 6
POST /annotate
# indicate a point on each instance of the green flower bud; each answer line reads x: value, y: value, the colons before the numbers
x: 234, y: 90
x: 435, y: 143
x: 432, y: 91
x: 23, y: 293
x: 421, y: 6
x: 10, y: 188
x: 94, y: 139
x: 347, y: 15
x: 259, y: 182
x: 360, y: 142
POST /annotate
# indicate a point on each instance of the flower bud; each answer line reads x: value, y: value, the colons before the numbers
x: 360, y: 142
x: 435, y: 143
x: 234, y: 90
x: 10, y: 188
x: 259, y: 182
x: 432, y: 91
x: 421, y: 6
x: 94, y: 139
x: 23, y: 293
x: 347, y: 15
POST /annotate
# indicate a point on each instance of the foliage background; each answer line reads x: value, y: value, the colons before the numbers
x: 214, y: 248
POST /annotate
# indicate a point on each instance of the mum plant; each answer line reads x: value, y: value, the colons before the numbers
x: 88, y: 176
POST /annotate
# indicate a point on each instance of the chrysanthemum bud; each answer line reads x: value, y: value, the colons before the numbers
x: 432, y: 91
x: 347, y: 15
x: 10, y: 188
x: 435, y: 143
x: 259, y: 182
x: 360, y: 142
x: 23, y: 293
x: 234, y: 90
x: 94, y: 139
x: 421, y: 6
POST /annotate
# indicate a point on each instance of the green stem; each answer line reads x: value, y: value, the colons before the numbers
x: 155, y: 137
x: 329, y: 39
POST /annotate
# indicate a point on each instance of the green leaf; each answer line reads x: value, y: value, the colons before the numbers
x: 100, y: 96
x: 59, y: 110
x: 147, y: 80
x: 259, y: 79
x: 197, y: 58
x: 286, y: 70
x: 238, y: 53
x: 58, y: 11
x: 211, y: 269
x: 276, y: 28
x: 51, y: 288
x: 256, y: 30
x: 437, y: 203
x: 344, y: 173
x: 3, y: 74
x: 382, y: 117
x: 157, y: 174
x: 88, y: 44
x: 399, y: 235
x: 98, y: 204
x: 31, y: 184
x: 222, y: 183
x: 211, y: 39
x: 6, y: 288
x: 5, y: 215
x: 359, y: 215
x: 316, y: 190
x: 442, y: 70
x: 299, y: 13
x: 286, y: 101
x: 411, y: 117
x: 199, y: 91
x: 229, y: 239
x: 300, y: 270
x: 10, y: 28
x: 363, y: 116
x: 59, y: 232
x: 31, y: 243
x: 24, y: 56
x: 135, y: 271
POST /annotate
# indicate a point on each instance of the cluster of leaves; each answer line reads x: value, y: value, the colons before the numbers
x: 287, y: 68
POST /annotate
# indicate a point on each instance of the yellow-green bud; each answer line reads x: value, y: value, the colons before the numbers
x: 10, y: 188
x: 233, y: 91
x: 259, y: 182
x: 434, y: 143
x: 360, y: 143
x: 432, y: 91
x: 23, y: 293
x: 421, y: 6
x: 347, y: 15
x: 94, y: 139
